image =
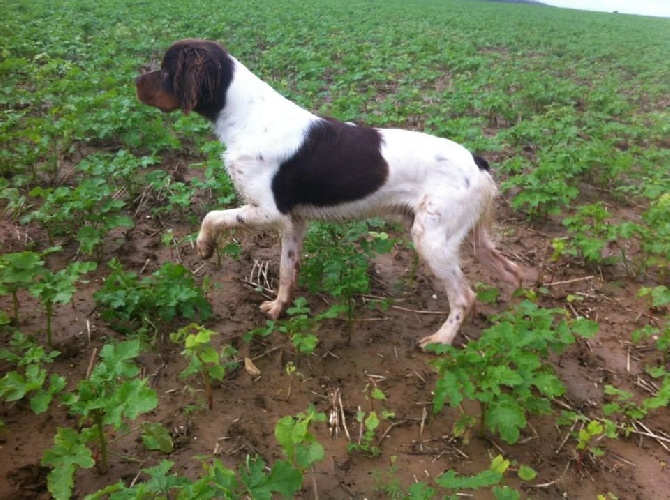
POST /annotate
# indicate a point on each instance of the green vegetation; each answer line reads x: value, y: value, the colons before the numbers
x: 30, y: 375
x: 132, y: 304
x: 202, y: 358
x: 506, y: 369
x: 112, y: 396
x: 570, y: 107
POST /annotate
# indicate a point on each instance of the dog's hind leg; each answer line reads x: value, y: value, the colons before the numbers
x: 488, y: 255
x: 437, y: 237
x: 291, y: 248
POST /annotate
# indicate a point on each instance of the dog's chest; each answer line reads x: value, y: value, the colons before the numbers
x: 250, y: 175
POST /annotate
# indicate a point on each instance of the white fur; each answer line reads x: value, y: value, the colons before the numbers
x: 435, y: 179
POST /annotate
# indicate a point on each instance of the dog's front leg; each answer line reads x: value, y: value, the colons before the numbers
x: 291, y: 248
x: 250, y: 216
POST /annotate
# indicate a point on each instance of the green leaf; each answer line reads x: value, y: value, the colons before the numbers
x: 526, y: 473
x: 39, y: 403
x: 306, y: 455
x: 372, y: 421
x: 13, y: 386
x: 117, y: 355
x: 505, y: 493
x: 585, y: 327
x: 68, y: 453
x: 420, y: 491
x: 499, y: 464
x: 378, y: 394
x: 447, y: 387
x: 129, y: 400
x: 549, y: 384
x: 156, y: 437
x: 507, y: 418
x: 451, y: 481
x: 283, y: 479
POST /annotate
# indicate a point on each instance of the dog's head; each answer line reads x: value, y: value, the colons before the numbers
x: 194, y: 76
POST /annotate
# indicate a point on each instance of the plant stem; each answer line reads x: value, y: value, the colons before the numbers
x: 102, y: 467
x: 49, y: 307
x: 208, y: 388
x: 15, y: 304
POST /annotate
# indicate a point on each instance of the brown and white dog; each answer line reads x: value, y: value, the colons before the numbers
x: 291, y: 167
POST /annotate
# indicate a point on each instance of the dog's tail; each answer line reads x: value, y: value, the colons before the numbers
x: 488, y: 194
x: 481, y: 163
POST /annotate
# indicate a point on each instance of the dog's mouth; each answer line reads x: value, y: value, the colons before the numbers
x: 150, y: 92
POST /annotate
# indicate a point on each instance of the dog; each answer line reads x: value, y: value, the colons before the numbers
x: 291, y: 167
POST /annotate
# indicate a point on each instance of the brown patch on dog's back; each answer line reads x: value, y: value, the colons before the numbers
x: 337, y: 163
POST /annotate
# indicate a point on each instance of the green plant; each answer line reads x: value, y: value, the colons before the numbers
x: 300, y: 446
x: 29, y: 380
x: 156, y: 437
x: 488, y: 478
x: 299, y: 326
x: 659, y: 297
x: 91, y: 206
x: 202, y: 358
x: 112, y: 396
x: 452, y: 486
x: 622, y: 402
x: 338, y: 259
x: 369, y: 423
x: 253, y: 479
x: 545, y: 190
x: 69, y: 453
x: 656, y: 235
x: 588, y: 439
x: 18, y: 271
x: 58, y: 288
x: 505, y: 370
x: 132, y: 304
x: 591, y: 432
x: 591, y: 232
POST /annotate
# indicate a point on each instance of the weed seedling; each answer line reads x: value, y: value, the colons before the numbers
x: 202, y: 358
x: 30, y: 377
x: 131, y: 304
x: 110, y: 397
x: 659, y: 297
x: 58, y: 288
x: 252, y: 479
x: 299, y: 326
x: 18, y: 271
x: 156, y: 437
x: 338, y: 260
x: 368, y: 422
x: 589, y: 437
x: 292, y: 372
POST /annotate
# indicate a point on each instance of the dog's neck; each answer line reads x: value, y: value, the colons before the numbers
x: 257, y: 114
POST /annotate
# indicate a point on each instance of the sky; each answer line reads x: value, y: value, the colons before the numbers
x: 659, y: 8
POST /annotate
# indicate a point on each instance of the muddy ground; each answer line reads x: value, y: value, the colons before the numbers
x: 381, y: 352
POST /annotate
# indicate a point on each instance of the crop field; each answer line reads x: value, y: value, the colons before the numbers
x: 129, y: 368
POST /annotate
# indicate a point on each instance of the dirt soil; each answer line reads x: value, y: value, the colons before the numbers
x: 381, y: 353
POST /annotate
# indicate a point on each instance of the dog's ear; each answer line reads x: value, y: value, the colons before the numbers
x: 196, y: 77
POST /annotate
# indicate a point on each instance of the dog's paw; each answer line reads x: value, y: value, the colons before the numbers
x: 432, y: 339
x: 272, y: 308
x: 205, y: 248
